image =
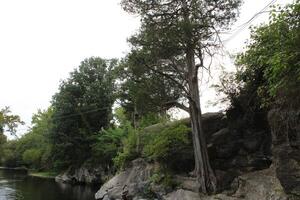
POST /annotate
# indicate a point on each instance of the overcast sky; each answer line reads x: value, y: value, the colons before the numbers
x: 41, y: 41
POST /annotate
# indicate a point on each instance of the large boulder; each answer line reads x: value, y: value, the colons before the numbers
x: 129, y: 183
x: 132, y: 183
x: 259, y: 185
x: 262, y: 185
x: 182, y: 195
x: 84, y: 175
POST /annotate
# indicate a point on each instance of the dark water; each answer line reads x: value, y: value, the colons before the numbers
x: 16, y: 185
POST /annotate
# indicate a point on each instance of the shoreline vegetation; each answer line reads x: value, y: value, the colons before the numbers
x: 32, y: 173
x: 45, y: 175
x: 14, y: 168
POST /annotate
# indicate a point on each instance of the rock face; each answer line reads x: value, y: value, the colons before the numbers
x: 285, y: 126
x: 229, y: 148
x: 127, y: 184
x: 84, y: 175
x: 132, y: 184
x: 258, y: 185
x: 241, y: 159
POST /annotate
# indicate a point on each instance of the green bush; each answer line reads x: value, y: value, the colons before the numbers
x: 130, y: 149
x: 171, y: 147
x: 32, y: 157
x: 107, y: 144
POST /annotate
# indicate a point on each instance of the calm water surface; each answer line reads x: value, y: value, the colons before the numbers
x: 15, y: 185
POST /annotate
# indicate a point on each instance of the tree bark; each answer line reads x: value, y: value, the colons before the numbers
x: 203, y: 170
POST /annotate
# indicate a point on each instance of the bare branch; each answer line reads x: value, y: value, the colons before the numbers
x: 177, y: 104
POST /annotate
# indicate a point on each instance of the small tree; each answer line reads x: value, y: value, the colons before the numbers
x: 9, y: 122
x: 175, y: 38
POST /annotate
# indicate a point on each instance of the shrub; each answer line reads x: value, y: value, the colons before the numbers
x: 108, y: 144
x: 32, y: 157
x: 130, y: 150
x: 171, y: 147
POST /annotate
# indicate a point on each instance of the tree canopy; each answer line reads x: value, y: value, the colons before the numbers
x: 81, y: 108
x: 9, y: 122
x: 271, y: 62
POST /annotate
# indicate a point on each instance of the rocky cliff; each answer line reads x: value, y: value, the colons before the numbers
x: 85, y: 174
x: 135, y: 183
x: 241, y: 159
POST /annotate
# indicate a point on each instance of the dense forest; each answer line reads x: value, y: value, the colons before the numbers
x: 110, y: 112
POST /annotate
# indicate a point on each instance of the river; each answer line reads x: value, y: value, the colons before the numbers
x: 15, y: 185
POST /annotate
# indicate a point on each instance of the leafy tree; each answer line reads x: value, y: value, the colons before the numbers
x: 32, y: 157
x: 81, y: 108
x: 143, y: 92
x: 33, y: 149
x: 107, y: 144
x: 3, y: 140
x: 9, y: 122
x: 271, y: 63
x: 9, y: 157
x: 174, y: 39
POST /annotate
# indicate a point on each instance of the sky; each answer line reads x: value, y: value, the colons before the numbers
x: 41, y: 41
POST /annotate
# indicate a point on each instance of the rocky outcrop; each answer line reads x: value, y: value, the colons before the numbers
x: 84, y: 175
x: 258, y: 185
x: 129, y: 183
x: 285, y: 127
x: 241, y: 160
x: 133, y: 183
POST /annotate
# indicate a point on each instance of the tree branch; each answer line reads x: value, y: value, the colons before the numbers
x: 177, y: 104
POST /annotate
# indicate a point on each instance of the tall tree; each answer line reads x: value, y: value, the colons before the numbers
x: 81, y: 108
x: 175, y: 38
x: 142, y: 92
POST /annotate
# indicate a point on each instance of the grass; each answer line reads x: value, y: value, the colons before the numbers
x: 49, y: 175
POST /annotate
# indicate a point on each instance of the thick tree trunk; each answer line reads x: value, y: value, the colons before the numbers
x: 203, y: 170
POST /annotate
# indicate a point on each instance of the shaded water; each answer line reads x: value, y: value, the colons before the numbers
x: 15, y: 185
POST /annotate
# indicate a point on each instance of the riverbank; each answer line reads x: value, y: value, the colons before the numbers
x: 24, y: 169
x: 47, y: 175
x: 17, y: 185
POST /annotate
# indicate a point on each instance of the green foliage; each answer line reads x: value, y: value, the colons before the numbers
x: 33, y: 149
x: 9, y: 158
x: 152, y: 118
x: 143, y: 92
x: 129, y: 151
x: 107, y: 144
x: 82, y: 107
x: 9, y: 122
x: 271, y: 63
x: 165, y: 179
x: 3, y: 140
x: 169, y: 144
x: 32, y: 157
x: 170, y: 147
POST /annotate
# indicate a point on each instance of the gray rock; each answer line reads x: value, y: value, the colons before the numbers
x: 85, y: 174
x: 285, y: 128
x: 259, y: 185
x: 127, y: 183
x: 262, y: 185
x: 182, y: 195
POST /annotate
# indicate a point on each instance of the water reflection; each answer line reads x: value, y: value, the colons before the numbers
x: 18, y: 186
